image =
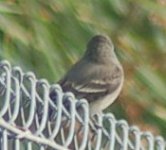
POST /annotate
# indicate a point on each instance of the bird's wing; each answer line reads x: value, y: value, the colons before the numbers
x: 94, y: 89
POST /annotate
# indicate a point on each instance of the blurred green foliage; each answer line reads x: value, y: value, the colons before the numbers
x: 47, y: 37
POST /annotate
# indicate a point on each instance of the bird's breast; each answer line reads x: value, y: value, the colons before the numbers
x: 97, y: 106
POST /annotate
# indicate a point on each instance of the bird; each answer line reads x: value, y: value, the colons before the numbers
x: 97, y: 77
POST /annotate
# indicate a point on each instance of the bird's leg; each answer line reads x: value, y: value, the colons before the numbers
x: 94, y: 126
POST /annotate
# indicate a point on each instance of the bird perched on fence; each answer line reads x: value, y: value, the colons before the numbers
x: 98, y: 76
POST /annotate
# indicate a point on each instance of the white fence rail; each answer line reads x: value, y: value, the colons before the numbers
x: 29, y: 119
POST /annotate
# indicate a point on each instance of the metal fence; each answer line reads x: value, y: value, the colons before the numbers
x: 29, y: 119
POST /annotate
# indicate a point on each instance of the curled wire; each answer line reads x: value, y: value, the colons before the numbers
x: 29, y: 113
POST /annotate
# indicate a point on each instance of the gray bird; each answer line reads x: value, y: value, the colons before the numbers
x: 98, y: 76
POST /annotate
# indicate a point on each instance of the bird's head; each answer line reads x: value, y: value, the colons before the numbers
x: 100, y: 49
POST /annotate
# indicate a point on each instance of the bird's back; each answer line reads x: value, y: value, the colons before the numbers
x: 89, y: 81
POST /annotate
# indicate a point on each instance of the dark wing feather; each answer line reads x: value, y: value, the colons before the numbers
x: 95, y: 88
